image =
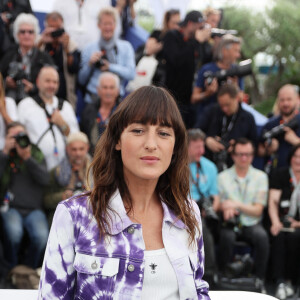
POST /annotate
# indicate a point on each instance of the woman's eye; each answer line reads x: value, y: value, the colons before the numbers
x: 137, y: 131
x: 164, y: 134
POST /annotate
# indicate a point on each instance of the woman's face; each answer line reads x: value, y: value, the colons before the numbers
x: 295, y: 161
x: 173, y: 22
x: 26, y: 35
x: 146, y: 151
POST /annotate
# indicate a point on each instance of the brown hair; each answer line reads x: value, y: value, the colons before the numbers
x: 146, y: 105
x: 167, y: 17
x: 228, y: 88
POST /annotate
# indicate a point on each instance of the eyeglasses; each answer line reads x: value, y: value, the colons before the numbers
x: 23, y: 31
x: 249, y: 154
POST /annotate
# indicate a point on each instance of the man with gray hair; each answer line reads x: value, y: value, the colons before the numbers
x: 21, y: 64
x: 69, y: 178
x: 96, y: 114
x: 107, y: 54
x: 227, y: 54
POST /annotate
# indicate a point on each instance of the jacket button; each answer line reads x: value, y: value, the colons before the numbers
x: 130, y: 268
x: 131, y: 230
x: 94, y: 265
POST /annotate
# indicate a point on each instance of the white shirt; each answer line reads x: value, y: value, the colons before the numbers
x: 33, y: 116
x: 87, y: 31
x: 160, y: 280
x: 11, y: 109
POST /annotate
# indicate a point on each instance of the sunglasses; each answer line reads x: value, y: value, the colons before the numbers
x: 23, y: 31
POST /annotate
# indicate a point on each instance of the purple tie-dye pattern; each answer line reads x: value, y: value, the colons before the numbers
x: 77, y: 265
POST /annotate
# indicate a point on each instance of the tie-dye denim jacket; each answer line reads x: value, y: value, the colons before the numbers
x: 77, y: 265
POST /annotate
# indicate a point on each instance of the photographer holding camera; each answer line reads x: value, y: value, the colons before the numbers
x: 285, y: 224
x: 23, y: 176
x: 21, y: 64
x: 227, y: 54
x: 69, y: 178
x: 57, y: 43
x: 203, y: 188
x: 107, y: 54
x: 243, y: 194
x: 224, y: 123
x: 276, y: 149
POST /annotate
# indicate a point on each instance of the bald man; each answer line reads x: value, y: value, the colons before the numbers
x: 277, y: 149
x: 48, y: 119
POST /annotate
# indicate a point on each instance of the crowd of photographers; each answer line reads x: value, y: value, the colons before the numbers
x: 44, y: 156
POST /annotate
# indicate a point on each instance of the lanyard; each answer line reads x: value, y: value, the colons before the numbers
x: 226, y: 130
x: 196, y: 181
x: 242, y: 192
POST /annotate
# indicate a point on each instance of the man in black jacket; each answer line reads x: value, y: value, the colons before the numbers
x: 224, y: 123
x: 23, y: 175
x: 179, y: 51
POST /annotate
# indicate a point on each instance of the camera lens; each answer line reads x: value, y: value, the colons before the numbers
x: 22, y: 139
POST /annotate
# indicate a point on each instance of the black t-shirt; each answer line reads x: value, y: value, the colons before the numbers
x: 281, y: 180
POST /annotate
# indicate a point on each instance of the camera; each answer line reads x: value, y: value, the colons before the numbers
x: 206, y: 204
x: 22, y: 139
x: 278, y: 130
x: 16, y: 71
x: 286, y: 222
x: 217, y: 32
x: 220, y: 158
x: 57, y: 33
x: 244, y: 68
x: 100, y: 63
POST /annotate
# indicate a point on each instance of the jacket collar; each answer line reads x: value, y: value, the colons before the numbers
x: 119, y: 221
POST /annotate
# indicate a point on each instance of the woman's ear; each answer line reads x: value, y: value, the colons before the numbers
x: 118, y: 146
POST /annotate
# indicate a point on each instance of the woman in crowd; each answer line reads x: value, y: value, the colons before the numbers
x: 22, y: 63
x: 285, y: 224
x: 135, y: 235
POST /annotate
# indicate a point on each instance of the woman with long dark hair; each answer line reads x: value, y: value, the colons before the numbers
x: 136, y: 235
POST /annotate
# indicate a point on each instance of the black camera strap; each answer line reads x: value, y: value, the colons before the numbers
x: 41, y: 103
x: 227, y: 129
x: 196, y: 181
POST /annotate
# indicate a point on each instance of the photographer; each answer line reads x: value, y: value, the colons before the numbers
x: 107, y: 54
x: 179, y: 51
x: 21, y: 64
x: 277, y: 149
x: 243, y: 194
x: 57, y: 43
x: 69, y: 178
x: 48, y: 119
x: 23, y: 176
x: 203, y: 188
x: 227, y: 54
x: 8, y: 112
x: 285, y: 225
x: 224, y: 123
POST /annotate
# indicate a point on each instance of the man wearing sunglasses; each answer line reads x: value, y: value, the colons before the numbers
x: 22, y: 63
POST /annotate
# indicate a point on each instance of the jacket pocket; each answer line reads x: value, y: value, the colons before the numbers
x: 96, y: 276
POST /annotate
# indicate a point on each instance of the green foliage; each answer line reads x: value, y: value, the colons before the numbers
x: 265, y: 106
x: 146, y: 22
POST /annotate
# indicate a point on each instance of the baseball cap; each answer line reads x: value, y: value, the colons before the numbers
x: 194, y: 16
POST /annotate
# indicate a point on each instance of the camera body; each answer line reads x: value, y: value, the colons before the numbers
x: 57, y: 33
x: 100, y: 63
x: 244, y: 68
x: 206, y: 204
x: 16, y: 71
x: 22, y: 139
x: 278, y: 130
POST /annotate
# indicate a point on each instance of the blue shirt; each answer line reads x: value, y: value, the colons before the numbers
x: 207, y: 180
x: 124, y: 68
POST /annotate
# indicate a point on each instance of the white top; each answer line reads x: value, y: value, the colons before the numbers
x: 11, y: 109
x: 160, y: 280
x: 35, y: 120
x: 87, y: 31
